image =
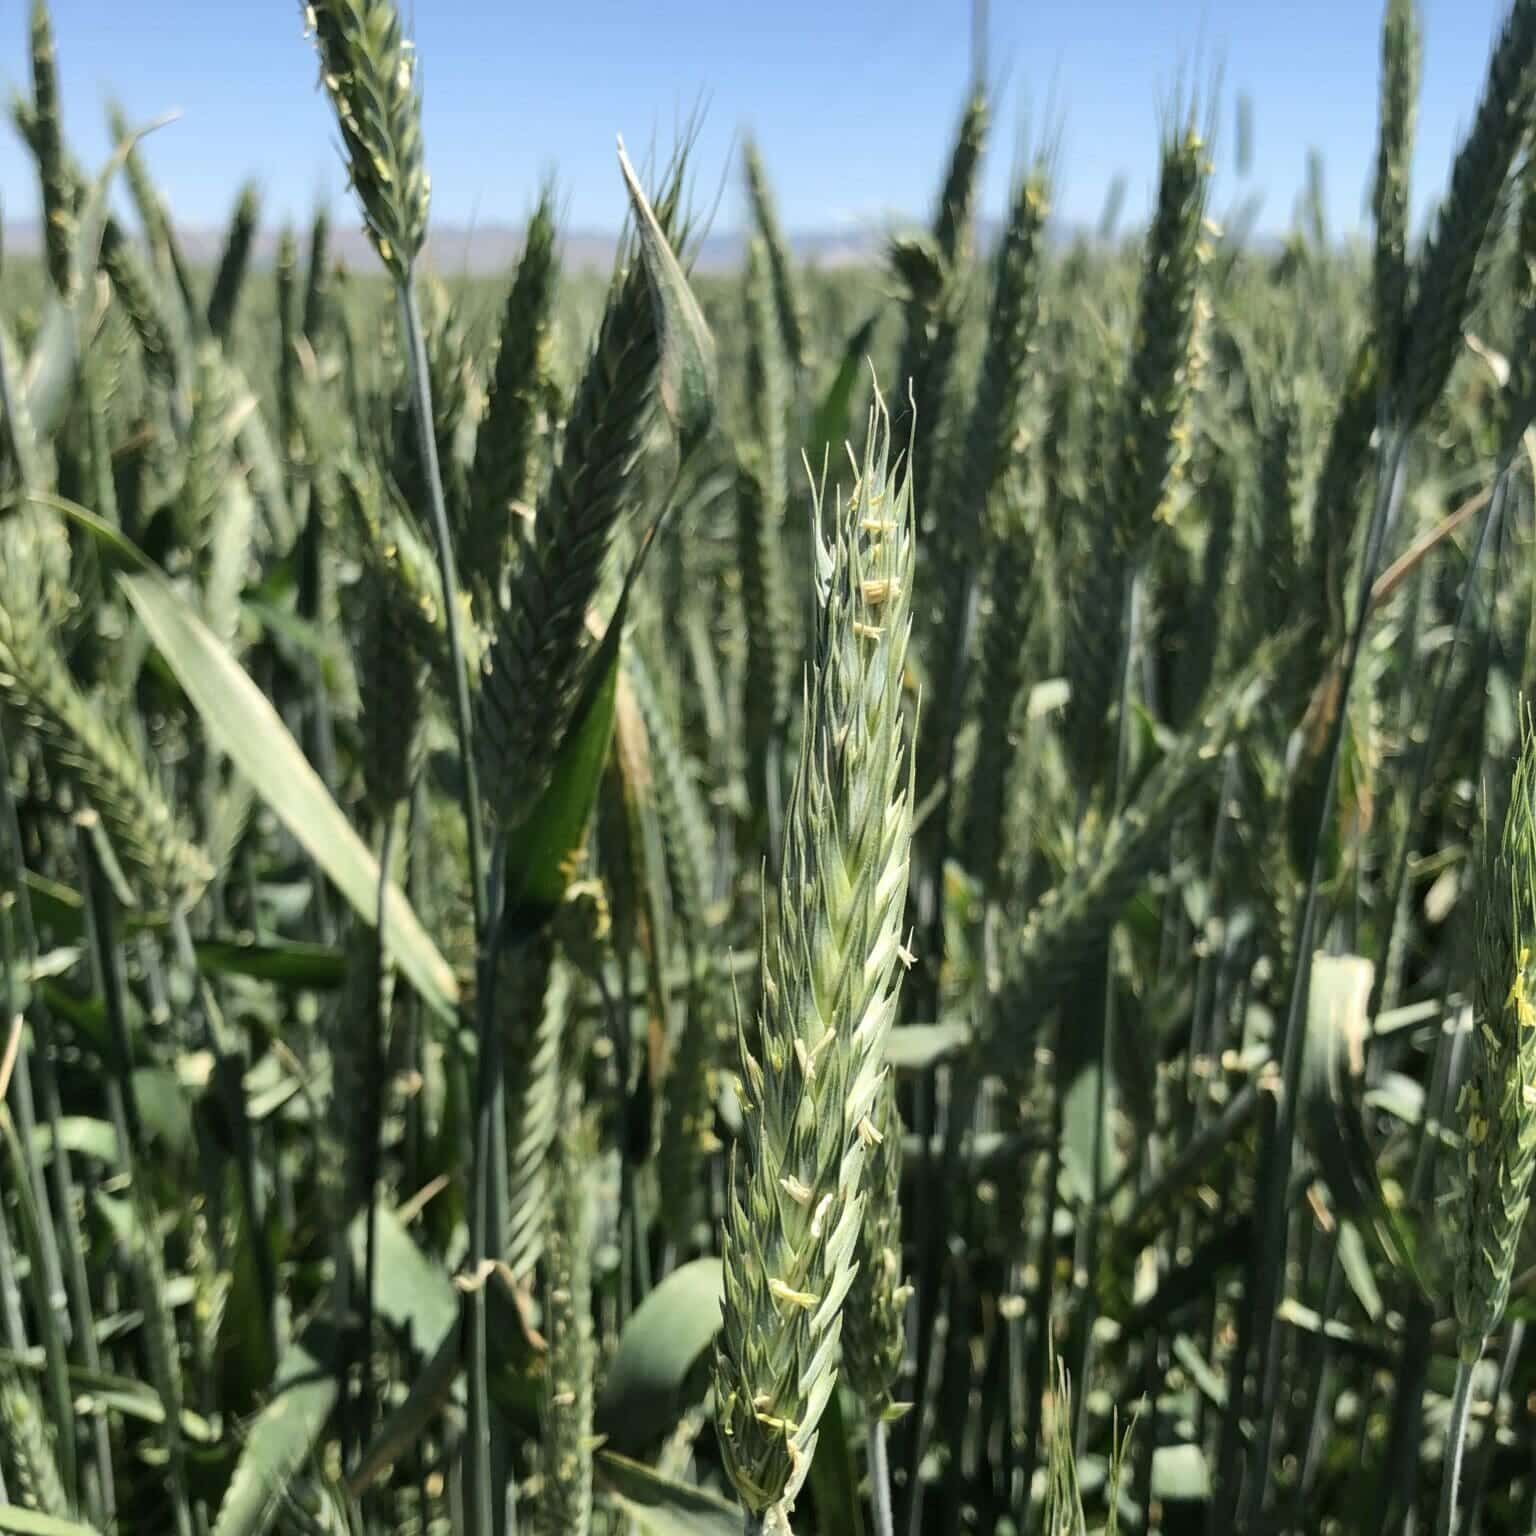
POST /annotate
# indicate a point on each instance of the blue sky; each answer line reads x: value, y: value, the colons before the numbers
x: 852, y: 101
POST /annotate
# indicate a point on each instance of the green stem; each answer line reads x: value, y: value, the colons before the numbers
x: 421, y: 410
x: 1455, y: 1445
x: 1440, y: 698
x: 123, y: 1111
x: 1267, y: 1263
x: 374, y: 1122
x: 880, y: 1480
x: 487, y: 1514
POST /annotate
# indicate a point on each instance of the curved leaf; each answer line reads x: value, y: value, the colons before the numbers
x: 280, y: 1442
x: 244, y: 725
x: 829, y: 426
x: 660, y: 1507
x: 659, y: 1346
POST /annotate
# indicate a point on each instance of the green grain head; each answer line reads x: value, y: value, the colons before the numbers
x: 1443, y: 289
x: 1166, y: 351
x: 1400, y: 53
x: 229, y: 281
x: 789, y: 302
x: 368, y: 69
x: 502, y: 479
x: 874, y: 1328
x: 810, y: 1075
x: 59, y: 181
x: 1497, y: 1106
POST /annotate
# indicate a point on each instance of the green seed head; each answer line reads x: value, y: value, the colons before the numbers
x: 1497, y: 1106
x: 368, y: 69
x: 811, y: 1077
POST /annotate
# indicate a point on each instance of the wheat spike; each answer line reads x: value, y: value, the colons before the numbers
x: 533, y: 669
x: 789, y: 303
x: 368, y: 69
x: 830, y: 982
x: 229, y: 280
x: 1445, y: 269
x: 501, y: 481
x: 1497, y: 1106
x: 1400, y: 58
x: 874, y: 1331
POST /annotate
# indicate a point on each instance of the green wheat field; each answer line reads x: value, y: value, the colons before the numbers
x: 872, y: 902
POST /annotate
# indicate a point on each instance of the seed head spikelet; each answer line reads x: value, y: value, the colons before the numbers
x: 368, y: 69
x: 31, y: 1471
x: 501, y: 480
x: 133, y: 286
x: 831, y: 976
x: 789, y: 304
x: 533, y: 1008
x: 761, y: 489
x: 391, y: 679
x: 1520, y: 391
x: 995, y: 420
x: 874, y: 1331
x: 1166, y: 350
x: 317, y: 277
x: 1394, y: 157
x: 1010, y: 555
x: 1446, y: 266
x: 60, y: 184
x: 83, y: 745
x: 533, y: 670
x: 233, y: 264
x: 957, y: 199
x: 1497, y: 1105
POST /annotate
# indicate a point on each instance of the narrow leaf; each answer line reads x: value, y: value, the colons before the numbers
x: 244, y: 725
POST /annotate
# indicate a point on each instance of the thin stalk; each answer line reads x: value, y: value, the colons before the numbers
x: 426, y: 440
x: 1455, y: 1446
x: 1087, y: 1257
x: 488, y: 1516
x: 373, y: 1126
x: 487, y: 1225
x: 1477, y: 1480
x: 123, y: 1109
x: 1400, y: 1458
x: 881, y: 1513
x: 11, y: 861
x: 229, y: 1074
x: 1266, y: 1270
x: 1040, y: 1305
x: 1438, y: 701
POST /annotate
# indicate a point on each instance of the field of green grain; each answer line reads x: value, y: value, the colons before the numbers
x: 869, y: 903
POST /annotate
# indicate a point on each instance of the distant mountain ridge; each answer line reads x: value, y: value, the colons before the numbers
x: 486, y: 249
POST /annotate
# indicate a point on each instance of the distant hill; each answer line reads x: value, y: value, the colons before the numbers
x: 487, y: 249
